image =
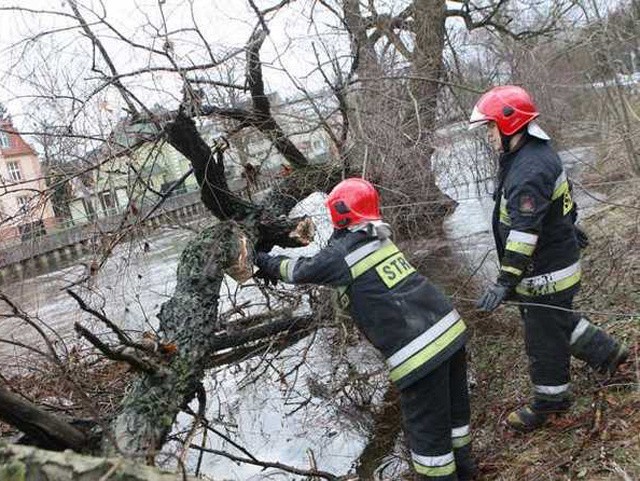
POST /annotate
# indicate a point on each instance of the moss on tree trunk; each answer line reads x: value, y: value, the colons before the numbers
x: 187, y: 320
x: 22, y: 463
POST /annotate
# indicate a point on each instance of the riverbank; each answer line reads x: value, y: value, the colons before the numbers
x: 600, y: 439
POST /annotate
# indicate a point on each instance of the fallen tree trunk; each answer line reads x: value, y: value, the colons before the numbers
x: 46, y: 430
x: 25, y: 463
x: 188, y: 321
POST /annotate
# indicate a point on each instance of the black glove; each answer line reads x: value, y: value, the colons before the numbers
x: 493, y: 297
x: 583, y: 238
x: 266, y: 277
x: 260, y: 260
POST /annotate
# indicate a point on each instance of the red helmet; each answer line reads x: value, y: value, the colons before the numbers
x: 510, y: 107
x: 353, y: 201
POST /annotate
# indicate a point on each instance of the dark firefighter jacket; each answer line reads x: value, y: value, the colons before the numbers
x: 398, y: 310
x: 533, y: 222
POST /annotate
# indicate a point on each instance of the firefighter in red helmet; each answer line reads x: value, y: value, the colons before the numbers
x: 538, y: 246
x: 420, y: 334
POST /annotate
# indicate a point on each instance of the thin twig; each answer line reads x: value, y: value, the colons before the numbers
x: 269, y: 464
x: 122, y: 336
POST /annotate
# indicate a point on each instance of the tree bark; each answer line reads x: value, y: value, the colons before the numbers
x: 427, y: 62
x: 426, y: 205
x: 188, y: 320
x: 46, y: 430
x: 394, y: 118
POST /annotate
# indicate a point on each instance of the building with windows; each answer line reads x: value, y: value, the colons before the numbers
x: 25, y: 211
x: 133, y: 169
x: 136, y: 167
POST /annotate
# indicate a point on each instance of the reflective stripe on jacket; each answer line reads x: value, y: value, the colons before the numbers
x: 533, y: 222
x: 403, y: 315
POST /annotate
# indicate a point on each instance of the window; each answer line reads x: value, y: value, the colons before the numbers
x: 23, y: 204
x: 32, y: 230
x: 14, y: 170
x: 4, y: 140
x: 90, y: 212
x: 108, y: 202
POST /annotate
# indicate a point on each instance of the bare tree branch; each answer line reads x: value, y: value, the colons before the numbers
x: 134, y: 361
x: 49, y: 431
x: 492, y: 20
x: 126, y: 95
x: 269, y: 464
x: 263, y: 120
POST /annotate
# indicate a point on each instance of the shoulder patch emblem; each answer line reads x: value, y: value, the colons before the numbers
x: 527, y: 204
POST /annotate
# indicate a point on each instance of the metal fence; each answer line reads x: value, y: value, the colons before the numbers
x: 19, y: 248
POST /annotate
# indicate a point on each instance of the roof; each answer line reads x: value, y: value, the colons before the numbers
x: 17, y: 145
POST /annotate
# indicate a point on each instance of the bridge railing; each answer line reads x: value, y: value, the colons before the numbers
x: 61, y: 233
x: 18, y: 247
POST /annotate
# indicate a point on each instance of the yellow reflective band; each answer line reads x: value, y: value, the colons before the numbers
x: 284, y: 266
x: 551, y: 287
x: 461, y: 441
x: 563, y: 191
x: 429, y: 351
x: 567, y: 203
x: 560, y: 190
x: 435, y: 471
x: 513, y: 270
x: 520, y: 247
x: 343, y: 297
x: 373, y: 259
x: 504, y: 214
x: 394, y: 269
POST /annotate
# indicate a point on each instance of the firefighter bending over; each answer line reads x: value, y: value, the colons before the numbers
x: 420, y: 334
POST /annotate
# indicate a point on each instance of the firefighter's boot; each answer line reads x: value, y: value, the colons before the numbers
x: 465, y: 466
x: 614, y: 360
x: 525, y: 419
x: 531, y: 417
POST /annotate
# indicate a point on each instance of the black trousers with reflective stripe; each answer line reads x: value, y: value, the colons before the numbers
x: 433, y: 406
x: 547, y: 334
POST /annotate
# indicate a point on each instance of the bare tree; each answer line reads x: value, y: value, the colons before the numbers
x: 385, y: 109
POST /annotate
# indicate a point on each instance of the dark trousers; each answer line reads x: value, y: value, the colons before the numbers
x: 551, y: 337
x: 436, y: 417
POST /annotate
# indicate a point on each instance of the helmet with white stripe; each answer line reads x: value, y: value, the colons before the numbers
x: 511, y: 108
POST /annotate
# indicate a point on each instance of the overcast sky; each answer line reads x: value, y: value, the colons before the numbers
x: 64, y: 57
x: 53, y: 62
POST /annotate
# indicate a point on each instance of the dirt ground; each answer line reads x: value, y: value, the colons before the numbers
x: 600, y: 438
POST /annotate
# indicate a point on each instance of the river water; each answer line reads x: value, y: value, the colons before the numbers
x: 259, y: 403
